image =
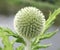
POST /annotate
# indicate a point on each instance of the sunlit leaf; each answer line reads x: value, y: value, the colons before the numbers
x: 45, y: 36
x: 20, y: 47
x: 9, y: 32
x: 48, y: 35
x: 6, y: 42
x: 51, y: 18
x: 41, y: 46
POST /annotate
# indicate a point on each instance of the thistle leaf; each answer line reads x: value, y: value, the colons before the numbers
x: 6, y: 42
x: 51, y: 18
x: 20, y: 47
x: 48, y: 35
x: 41, y: 46
x: 20, y: 40
x: 45, y: 36
x: 8, y: 32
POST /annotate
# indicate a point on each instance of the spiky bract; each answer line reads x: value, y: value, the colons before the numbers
x: 29, y: 22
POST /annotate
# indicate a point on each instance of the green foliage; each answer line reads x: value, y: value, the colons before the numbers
x: 5, y: 33
x: 0, y: 48
x: 36, y: 47
x: 48, y: 23
x: 51, y: 18
x: 20, y: 40
x: 5, y: 40
x: 20, y: 47
x: 44, y: 36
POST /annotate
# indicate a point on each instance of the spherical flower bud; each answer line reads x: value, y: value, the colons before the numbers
x: 29, y: 22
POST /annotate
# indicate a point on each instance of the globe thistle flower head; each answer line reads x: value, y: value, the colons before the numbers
x: 29, y: 22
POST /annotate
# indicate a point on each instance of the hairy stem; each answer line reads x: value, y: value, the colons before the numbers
x: 28, y: 45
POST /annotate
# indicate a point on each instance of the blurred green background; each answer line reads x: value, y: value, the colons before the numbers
x: 9, y: 7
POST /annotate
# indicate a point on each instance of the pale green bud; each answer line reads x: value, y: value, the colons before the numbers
x: 29, y: 22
